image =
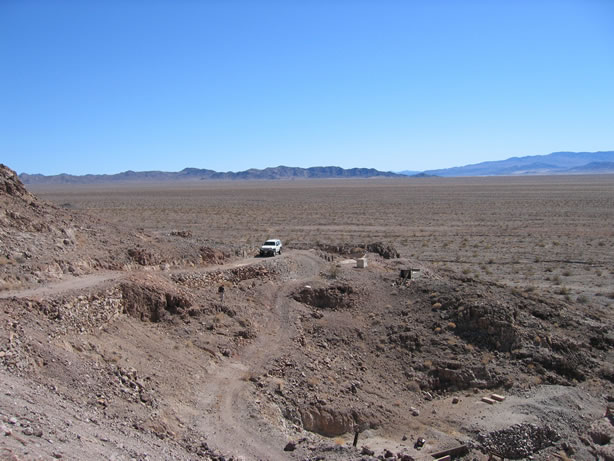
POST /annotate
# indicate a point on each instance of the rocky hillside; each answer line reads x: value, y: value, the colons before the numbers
x: 40, y: 241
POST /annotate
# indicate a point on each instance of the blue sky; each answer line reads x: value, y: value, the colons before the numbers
x: 108, y: 86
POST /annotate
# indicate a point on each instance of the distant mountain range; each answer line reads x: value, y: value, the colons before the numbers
x: 195, y: 174
x: 555, y: 163
x: 551, y: 164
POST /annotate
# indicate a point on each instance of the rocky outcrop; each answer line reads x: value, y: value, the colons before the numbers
x: 153, y: 303
x: 486, y: 325
x: 385, y: 251
x: 143, y: 257
x: 326, y: 422
x: 455, y: 375
x: 12, y: 186
x: 211, y: 255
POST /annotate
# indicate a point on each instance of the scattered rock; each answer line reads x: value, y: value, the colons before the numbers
x: 290, y: 446
x: 366, y: 451
x: 518, y: 441
x: 601, y: 432
x: 182, y: 233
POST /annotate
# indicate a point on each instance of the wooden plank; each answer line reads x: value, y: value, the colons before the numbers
x: 456, y: 451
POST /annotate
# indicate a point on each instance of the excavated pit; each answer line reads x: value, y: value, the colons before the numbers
x: 341, y: 296
x: 149, y: 303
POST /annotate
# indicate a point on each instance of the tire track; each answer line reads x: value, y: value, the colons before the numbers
x: 224, y: 399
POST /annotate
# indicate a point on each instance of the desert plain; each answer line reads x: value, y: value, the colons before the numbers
x: 115, y: 342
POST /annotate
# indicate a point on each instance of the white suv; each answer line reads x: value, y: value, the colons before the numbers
x: 271, y: 247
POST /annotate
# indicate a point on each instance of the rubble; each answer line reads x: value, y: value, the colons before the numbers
x: 518, y: 441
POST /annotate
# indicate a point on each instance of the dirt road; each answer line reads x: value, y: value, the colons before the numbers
x: 69, y: 284
x: 224, y: 401
x: 226, y: 414
x: 97, y: 278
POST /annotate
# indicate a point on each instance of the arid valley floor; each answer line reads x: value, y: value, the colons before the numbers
x: 115, y: 344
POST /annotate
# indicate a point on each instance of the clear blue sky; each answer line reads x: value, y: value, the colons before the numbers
x: 108, y: 86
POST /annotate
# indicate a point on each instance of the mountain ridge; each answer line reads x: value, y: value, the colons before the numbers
x: 556, y: 163
x: 197, y: 174
x: 600, y: 162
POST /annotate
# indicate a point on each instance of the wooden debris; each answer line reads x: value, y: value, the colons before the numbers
x: 460, y: 450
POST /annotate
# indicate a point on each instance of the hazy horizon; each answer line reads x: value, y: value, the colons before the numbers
x: 107, y: 87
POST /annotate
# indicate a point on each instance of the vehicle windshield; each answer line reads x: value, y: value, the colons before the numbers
x: 270, y: 242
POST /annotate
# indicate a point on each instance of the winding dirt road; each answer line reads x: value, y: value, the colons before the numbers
x: 97, y: 278
x: 69, y: 284
x: 227, y: 414
x: 224, y: 401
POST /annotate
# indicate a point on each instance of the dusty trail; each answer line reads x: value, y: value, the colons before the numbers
x: 97, y: 278
x: 226, y: 413
x: 223, y: 402
x: 73, y: 283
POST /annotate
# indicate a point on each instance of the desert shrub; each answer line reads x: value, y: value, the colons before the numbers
x: 582, y: 299
x: 333, y: 271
